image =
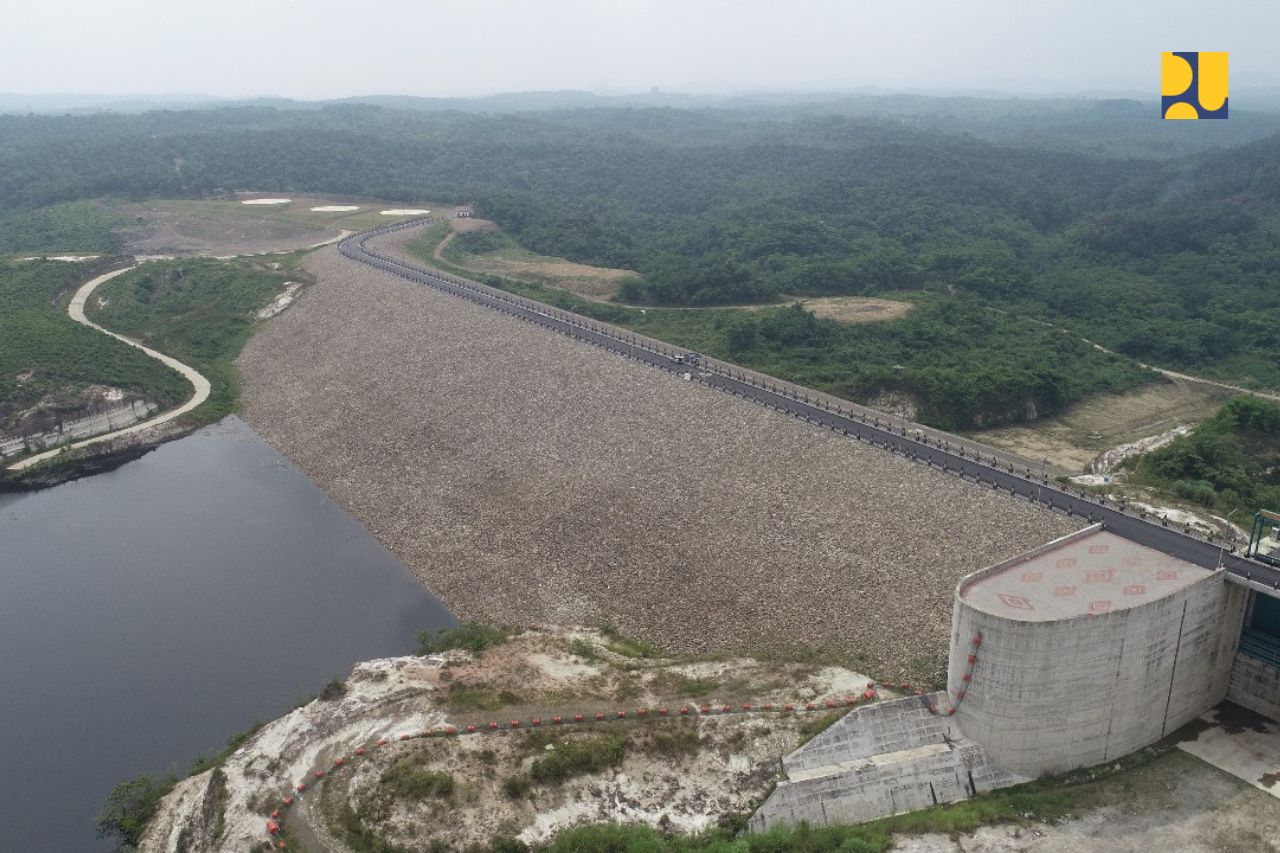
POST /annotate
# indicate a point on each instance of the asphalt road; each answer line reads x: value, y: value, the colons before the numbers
x: 940, y: 450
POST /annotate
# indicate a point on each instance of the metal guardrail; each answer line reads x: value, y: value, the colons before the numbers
x: 925, y: 445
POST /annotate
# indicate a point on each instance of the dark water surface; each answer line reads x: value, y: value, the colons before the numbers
x: 149, y: 613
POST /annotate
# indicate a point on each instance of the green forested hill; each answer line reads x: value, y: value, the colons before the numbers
x: 1151, y: 239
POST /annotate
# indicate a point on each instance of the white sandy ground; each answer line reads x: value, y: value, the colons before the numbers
x: 281, y: 302
x: 390, y: 697
x: 341, y: 235
x: 335, y: 208
x: 1110, y: 460
x: 69, y: 258
x: 198, y: 382
x: 267, y: 201
x: 405, y: 212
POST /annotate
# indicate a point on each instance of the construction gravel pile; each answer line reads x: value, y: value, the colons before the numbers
x: 530, y: 478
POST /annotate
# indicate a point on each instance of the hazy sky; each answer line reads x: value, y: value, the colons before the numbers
x: 327, y: 48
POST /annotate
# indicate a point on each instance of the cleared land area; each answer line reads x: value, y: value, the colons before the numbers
x: 852, y: 310
x: 512, y: 261
x: 601, y: 283
x: 1076, y: 437
x: 529, y: 478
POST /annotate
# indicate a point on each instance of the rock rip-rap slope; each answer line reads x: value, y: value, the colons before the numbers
x: 530, y: 478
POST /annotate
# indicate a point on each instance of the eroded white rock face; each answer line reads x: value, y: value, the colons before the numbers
x: 682, y: 772
x: 384, y: 698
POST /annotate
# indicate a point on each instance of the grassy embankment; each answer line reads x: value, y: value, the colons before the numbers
x: 73, y: 227
x: 200, y: 311
x: 46, y: 352
x: 965, y: 365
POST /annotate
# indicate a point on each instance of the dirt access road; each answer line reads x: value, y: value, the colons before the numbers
x: 199, y: 384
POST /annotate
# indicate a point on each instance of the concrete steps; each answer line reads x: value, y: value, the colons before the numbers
x: 881, y: 760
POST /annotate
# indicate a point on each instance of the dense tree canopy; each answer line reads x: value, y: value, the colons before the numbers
x: 1088, y: 217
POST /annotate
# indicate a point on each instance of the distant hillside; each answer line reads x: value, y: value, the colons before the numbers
x: 1086, y: 215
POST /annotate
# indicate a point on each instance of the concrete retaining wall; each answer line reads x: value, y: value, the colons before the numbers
x: 1255, y: 685
x: 881, y: 760
x: 1051, y: 696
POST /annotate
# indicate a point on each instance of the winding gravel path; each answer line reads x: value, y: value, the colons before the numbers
x: 200, y: 385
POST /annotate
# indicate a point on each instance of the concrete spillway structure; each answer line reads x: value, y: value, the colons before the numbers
x: 1086, y: 649
x: 1073, y: 654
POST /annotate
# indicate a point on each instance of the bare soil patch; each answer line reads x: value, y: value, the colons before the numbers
x: 599, y: 283
x: 528, y: 478
x: 223, y: 227
x: 1076, y: 437
x: 852, y: 310
x: 166, y: 227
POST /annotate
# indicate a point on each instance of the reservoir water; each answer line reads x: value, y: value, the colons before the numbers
x: 149, y: 613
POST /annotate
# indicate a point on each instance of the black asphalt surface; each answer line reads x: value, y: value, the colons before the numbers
x: 928, y: 447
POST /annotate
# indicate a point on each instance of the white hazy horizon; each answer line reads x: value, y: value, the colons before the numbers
x: 325, y: 49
